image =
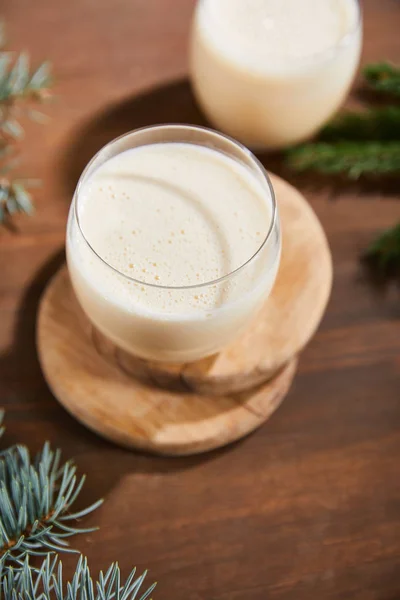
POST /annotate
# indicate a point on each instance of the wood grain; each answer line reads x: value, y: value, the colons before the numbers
x: 279, y: 332
x: 309, y: 505
x: 102, y: 395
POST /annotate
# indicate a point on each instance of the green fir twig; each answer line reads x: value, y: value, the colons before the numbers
x: 383, y: 77
x: 15, y: 197
x: 46, y: 583
x: 357, y: 143
x: 382, y: 124
x: 350, y: 158
x: 36, y: 498
x: 20, y: 87
x: 384, y: 252
x: 365, y: 143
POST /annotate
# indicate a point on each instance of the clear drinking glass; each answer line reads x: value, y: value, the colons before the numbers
x: 269, y: 101
x: 118, y: 304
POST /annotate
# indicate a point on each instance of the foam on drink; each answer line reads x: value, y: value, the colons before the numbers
x: 172, y: 215
x: 270, y: 72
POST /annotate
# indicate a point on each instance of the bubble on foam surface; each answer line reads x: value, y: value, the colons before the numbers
x: 173, y: 226
x: 260, y: 33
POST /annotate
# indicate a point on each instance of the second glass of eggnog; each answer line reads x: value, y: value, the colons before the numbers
x: 272, y: 72
x: 173, y: 241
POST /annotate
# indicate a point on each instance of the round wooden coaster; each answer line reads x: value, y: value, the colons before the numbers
x: 103, y: 396
x: 288, y: 320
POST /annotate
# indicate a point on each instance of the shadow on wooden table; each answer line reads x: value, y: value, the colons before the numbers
x: 20, y: 362
x: 174, y: 102
x: 34, y: 415
x: 170, y: 103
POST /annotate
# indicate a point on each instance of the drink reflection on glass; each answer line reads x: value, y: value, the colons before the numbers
x: 272, y: 72
x: 173, y: 241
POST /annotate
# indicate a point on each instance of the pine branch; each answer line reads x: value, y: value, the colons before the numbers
x: 18, y: 88
x: 360, y: 143
x: 14, y: 198
x: 384, y: 252
x: 383, y: 77
x: 35, y: 502
x: 46, y: 583
x: 374, y: 125
x: 18, y: 84
x: 350, y: 158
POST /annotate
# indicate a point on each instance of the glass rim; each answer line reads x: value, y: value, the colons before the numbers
x: 343, y: 41
x: 183, y: 127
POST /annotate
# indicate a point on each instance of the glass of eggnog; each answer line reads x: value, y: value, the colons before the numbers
x: 272, y: 72
x: 173, y: 241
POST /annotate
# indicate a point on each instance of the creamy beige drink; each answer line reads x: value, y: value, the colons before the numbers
x: 158, y: 240
x: 271, y: 72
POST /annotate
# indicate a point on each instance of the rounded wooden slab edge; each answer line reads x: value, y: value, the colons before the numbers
x: 98, y: 392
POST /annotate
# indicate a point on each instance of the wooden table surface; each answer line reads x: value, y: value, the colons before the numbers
x: 308, y: 506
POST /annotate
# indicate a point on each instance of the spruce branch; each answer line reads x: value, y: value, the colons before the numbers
x: 46, y: 583
x: 350, y: 158
x: 384, y: 252
x: 14, y: 197
x: 20, y: 88
x: 382, y: 124
x: 35, y: 502
x: 383, y: 77
x: 357, y: 143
